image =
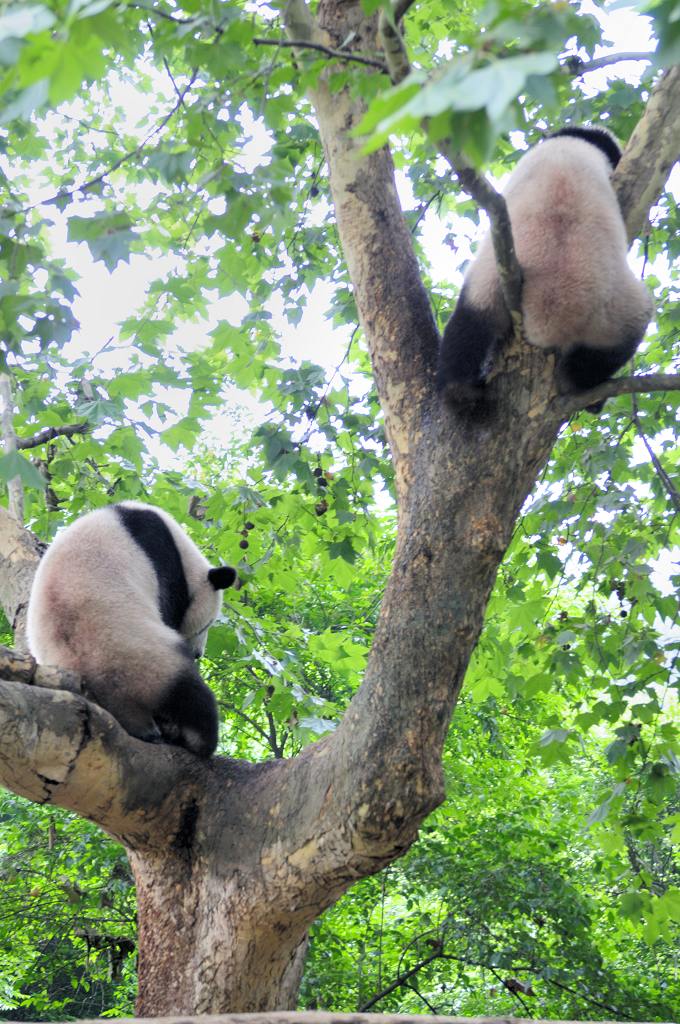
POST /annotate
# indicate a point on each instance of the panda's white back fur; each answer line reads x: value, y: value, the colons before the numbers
x: 94, y: 608
x: 556, y: 194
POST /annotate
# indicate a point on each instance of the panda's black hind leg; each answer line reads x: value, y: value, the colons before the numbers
x: 470, y: 339
x: 134, y: 717
x: 584, y: 367
x: 187, y: 715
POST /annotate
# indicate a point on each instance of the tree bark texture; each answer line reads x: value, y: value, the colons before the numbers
x: 20, y: 552
x: 233, y: 861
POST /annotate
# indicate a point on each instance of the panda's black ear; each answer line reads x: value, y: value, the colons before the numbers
x: 222, y: 577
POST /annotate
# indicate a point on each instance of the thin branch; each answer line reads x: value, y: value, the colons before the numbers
x: 15, y: 488
x: 276, y: 746
x: 88, y: 126
x: 493, y: 203
x: 402, y: 979
x: 438, y: 954
x: 576, y: 66
x: 513, y: 991
x: 163, y: 14
x: 302, y: 44
x: 414, y: 988
x: 246, y: 718
x: 644, y: 384
x: 660, y: 471
x: 313, y: 413
x: 87, y: 185
x: 424, y: 207
x: 49, y: 434
x: 618, y: 1014
x: 166, y: 65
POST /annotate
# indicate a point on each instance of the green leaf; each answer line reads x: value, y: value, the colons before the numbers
x: 15, y: 465
x: 108, y: 236
x: 632, y: 905
x: 343, y: 549
x: 29, y: 99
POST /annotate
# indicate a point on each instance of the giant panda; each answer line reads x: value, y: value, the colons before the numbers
x: 125, y: 598
x: 580, y: 298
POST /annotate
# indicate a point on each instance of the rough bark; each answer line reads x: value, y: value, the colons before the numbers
x: 20, y: 552
x: 652, y: 150
x: 234, y: 861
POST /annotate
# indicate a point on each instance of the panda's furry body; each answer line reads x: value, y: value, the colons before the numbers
x: 125, y: 598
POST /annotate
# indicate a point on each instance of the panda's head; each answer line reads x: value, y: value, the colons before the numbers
x: 204, y: 606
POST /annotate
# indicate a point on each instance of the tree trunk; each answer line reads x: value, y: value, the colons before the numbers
x: 205, y: 940
x: 233, y: 862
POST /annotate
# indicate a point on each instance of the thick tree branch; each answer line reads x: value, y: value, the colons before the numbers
x: 50, y: 433
x: 644, y: 384
x: 299, y: 22
x: 392, y: 41
x: 650, y: 153
x: 22, y: 668
x: 394, y: 308
x: 58, y: 748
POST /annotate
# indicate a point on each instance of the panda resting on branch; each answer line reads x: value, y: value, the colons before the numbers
x: 580, y: 298
x: 124, y: 598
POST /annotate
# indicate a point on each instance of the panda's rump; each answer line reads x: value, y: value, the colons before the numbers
x: 574, y: 275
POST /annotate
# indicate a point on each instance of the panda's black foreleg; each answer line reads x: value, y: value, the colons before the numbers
x: 470, y: 339
x: 584, y: 367
x: 187, y: 715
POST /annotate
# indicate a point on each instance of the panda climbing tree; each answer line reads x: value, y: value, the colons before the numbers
x: 580, y: 299
x: 234, y: 861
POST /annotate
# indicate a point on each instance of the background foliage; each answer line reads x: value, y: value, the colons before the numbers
x: 162, y: 142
